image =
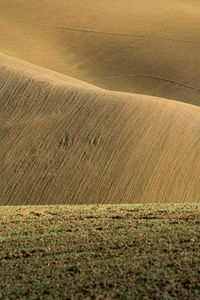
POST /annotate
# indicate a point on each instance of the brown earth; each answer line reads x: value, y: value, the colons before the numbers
x: 148, y: 47
x: 100, y: 252
x: 64, y: 141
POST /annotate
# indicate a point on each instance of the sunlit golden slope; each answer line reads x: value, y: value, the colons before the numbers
x: 63, y: 141
x: 145, y: 46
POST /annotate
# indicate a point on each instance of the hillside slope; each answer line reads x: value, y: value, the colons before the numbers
x: 148, y: 47
x: 64, y: 141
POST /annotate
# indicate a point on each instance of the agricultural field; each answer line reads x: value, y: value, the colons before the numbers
x: 99, y: 149
x: 99, y: 102
x: 100, y: 252
x: 147, y: 47
x: 64, y: 141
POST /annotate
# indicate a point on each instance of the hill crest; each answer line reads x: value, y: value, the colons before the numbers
x: 64, y: 141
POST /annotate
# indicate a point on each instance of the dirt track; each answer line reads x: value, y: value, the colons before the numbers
x: 100, y: 32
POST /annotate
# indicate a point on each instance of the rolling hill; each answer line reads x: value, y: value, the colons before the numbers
x: 148, y: 47
x: 64, y: 141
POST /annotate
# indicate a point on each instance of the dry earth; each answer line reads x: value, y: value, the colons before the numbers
x: 148, y: 47
x: 63, y: 141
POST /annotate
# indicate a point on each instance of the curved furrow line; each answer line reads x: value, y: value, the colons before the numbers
x: 103, y: 32
x: 151, y: 77
x: 52, y: 154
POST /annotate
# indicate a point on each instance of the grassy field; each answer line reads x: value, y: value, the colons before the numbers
x: 149, y: 47
x: 100, y: 252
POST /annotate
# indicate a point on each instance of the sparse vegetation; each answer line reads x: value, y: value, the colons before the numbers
x: 66, y: 141
x: 100, y: 252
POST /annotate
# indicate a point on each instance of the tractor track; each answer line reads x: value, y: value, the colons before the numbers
x: 101, y: 32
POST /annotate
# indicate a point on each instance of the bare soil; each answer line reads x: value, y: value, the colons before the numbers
x: 63, y: 141
x: 147, y: 47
